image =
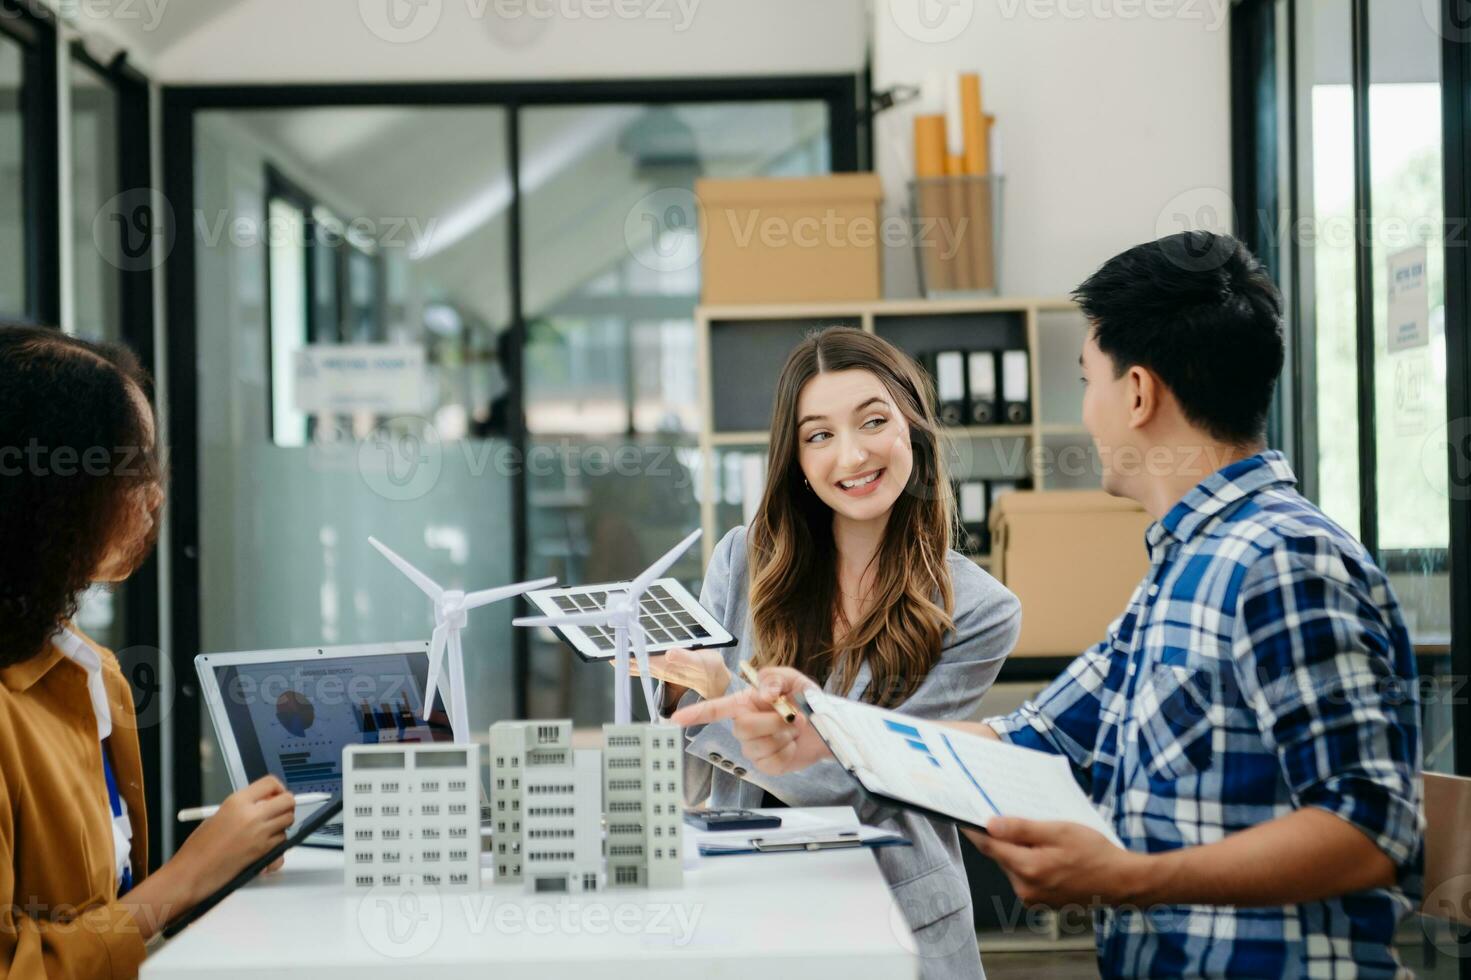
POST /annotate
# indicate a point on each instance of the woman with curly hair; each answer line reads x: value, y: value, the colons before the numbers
x: 81, y: 488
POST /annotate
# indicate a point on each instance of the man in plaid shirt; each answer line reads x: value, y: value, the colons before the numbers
x: 1250, y: 725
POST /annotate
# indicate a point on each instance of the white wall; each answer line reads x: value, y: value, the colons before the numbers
x: 262, y: 41
x: 1108, y: 116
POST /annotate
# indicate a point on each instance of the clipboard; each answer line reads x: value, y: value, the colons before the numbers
x: 845, y: 751
x: 309, y: 826
x: 842, y: 840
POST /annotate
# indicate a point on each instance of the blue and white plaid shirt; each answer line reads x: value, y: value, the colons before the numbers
x: 1261, y: 666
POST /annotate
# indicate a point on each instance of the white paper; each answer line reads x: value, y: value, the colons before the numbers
x: 797, y: 824
x: 952, y: 772
x: 954, y: 126
x: 1410, y: 411
x: 1408, y: 300
x: 340, y: 379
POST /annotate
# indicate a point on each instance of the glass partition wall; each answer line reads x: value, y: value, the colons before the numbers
x: 301, y: 243
x: 497, y: 238
x: 612, y: 279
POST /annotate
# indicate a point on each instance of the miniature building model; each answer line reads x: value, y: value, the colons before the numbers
x: 643, y: 796
x: 547, y: 801
x: 411, y: 815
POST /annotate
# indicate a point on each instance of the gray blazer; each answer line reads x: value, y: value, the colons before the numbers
x: 928, y: 879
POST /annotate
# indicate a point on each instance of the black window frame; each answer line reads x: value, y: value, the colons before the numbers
x: 141, y: 653
x: 1455, y: 31
x: 33, y: 28
x: 844, y: 95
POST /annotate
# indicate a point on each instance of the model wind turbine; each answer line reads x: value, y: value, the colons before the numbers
x: 622, y: 614
x: 451, y: 615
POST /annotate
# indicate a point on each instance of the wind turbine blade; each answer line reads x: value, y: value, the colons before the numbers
x: 641, y: 652
x: 424, y: 582
x: 486, y: 596
x: 436, y: 656
x: 570, y: 619
x: 661, y: 566
x: 459, y: 718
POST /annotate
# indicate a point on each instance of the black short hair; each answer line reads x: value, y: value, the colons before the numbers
x: 1198, y: 310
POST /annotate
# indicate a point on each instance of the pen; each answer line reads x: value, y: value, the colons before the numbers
x: 788, y: 713
x: 196, y: 813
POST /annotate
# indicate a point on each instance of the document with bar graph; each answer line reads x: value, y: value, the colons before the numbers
x: 948, y: 773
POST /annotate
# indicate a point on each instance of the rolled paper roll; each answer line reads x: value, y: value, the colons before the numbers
x: 973, y: 122
x: 931, y: 201
x: 929, y: 145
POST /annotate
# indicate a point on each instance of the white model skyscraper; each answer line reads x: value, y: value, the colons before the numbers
x: 547, y: 801
x: 643, y: 796
x: 411, y: 815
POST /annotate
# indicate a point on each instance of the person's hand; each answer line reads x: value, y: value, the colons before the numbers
x: 1057, y: 862
x: 249, y: 823
x: 770, y: 744
x: 701, y: 671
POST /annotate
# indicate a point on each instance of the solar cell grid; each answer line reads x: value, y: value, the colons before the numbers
x: 669, y: 617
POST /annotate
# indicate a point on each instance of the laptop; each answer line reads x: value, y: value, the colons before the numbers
x: 290, y: 713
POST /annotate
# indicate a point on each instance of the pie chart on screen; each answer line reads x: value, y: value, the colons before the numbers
x: 295, y: 713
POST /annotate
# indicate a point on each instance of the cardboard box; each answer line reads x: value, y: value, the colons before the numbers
x: 791, y: 240
x: 1073, y: 557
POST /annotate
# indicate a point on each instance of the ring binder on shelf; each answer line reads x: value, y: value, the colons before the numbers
x: 981, y: 381
x: 950, y: 386
x: 1016, y: 383
x: 973, y: 512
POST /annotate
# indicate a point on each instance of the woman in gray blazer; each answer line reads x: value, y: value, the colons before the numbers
x: 846, y: 573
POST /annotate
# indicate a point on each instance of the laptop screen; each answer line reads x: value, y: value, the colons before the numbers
x: 292, y: 718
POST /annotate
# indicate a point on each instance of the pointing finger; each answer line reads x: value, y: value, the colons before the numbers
x: 703, y: 713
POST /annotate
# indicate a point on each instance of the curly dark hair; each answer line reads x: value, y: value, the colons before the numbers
x: 74, y: 453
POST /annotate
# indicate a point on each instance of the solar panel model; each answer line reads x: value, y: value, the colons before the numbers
x: 669, y: 615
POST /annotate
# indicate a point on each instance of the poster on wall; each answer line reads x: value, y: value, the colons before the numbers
x: 342, y: 379
x: 1408, y: 300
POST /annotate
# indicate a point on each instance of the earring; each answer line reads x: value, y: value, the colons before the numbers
x: 806, y: 484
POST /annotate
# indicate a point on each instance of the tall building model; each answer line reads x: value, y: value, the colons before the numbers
x: 411, y: 815
x: 546, y: 799
x: 643, y: 794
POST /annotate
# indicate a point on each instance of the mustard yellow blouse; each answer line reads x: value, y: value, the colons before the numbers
x: 59, y: 915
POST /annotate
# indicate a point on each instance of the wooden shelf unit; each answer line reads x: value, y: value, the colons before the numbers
x: 772, y: 329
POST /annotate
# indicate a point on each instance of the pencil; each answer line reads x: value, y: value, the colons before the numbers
x: 788, y: 713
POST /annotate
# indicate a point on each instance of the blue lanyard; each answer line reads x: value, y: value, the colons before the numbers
x: 125, y: 880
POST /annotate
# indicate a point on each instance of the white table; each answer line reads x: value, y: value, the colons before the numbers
x: 817, y: 915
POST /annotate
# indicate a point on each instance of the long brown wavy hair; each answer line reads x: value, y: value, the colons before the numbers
x: 74, y: 448
x: 793, y: 559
